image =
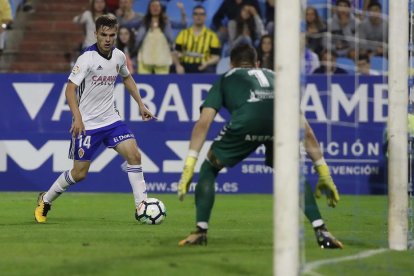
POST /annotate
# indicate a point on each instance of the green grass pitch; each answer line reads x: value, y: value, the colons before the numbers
x: 96, y: 234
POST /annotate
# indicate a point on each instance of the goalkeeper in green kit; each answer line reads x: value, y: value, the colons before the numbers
x: 247, y: 92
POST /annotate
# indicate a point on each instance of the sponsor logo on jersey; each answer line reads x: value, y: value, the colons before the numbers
x: 103, y: 80
x: 75, y: 69
x: 258, y: 95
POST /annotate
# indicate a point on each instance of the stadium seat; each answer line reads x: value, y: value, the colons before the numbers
x: 223, y: 66
x: 379, y: 64
x: 346, y: 63
x: 141, y: 6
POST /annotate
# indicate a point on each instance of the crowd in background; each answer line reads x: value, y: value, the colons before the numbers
x: 196, y: 36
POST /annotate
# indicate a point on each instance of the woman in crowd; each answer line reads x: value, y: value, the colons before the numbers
x: 87, y: 19
x: 126, y: 43
x: 154, y: 41
x: 265, y: 53
x: 315, y: 28
x: 247, y: 28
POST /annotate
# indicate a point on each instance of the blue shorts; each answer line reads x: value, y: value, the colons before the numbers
x: 83, y: 147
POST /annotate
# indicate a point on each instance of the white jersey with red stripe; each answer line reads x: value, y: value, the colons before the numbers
x: 95, y: 76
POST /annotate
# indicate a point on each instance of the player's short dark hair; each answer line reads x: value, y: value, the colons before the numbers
x: 243, y: 54
x: 106, y: 20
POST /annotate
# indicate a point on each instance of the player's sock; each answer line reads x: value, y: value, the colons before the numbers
x: 205, y: 191
x: 59, y: 186
x: 311, y: 208
x: 137, y: 181
x: 202, y: 226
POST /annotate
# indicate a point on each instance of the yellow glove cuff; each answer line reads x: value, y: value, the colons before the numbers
x: 190, y: 161
x: 322, y: 170
x: 411, y: 124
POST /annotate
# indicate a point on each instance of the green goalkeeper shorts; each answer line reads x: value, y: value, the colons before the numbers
x: 237, y: 140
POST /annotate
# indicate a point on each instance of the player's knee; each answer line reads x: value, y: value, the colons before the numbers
x: 79, y: 175
x: 214, y: 161
x: 134, y: 157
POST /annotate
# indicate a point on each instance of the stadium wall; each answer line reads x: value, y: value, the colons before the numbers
x: 35, y: 120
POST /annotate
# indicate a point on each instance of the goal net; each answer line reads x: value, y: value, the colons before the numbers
x: 351, y: 82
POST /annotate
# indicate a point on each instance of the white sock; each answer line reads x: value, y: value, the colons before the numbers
x: 203, y: 225
x: 59, y: 186
x: 317, y: 223
x: 136, y: 179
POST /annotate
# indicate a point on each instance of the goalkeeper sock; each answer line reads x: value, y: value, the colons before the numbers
x: 201, y: 229
x: 311, y: 208
x: 59, y: 186
x: 136, y: 179
x: 205, y: 191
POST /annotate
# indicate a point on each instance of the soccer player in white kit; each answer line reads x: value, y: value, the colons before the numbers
x: 90, y: 96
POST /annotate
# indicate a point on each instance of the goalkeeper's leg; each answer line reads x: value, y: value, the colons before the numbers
x: 323, y: 237
x: 204, y: 200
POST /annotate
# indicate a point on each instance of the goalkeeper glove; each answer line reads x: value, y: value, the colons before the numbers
x: 187, y: 175
x: 326, y: 185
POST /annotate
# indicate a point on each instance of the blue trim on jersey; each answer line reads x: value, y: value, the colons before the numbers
x: 94, y: 47
x: 67, y: 178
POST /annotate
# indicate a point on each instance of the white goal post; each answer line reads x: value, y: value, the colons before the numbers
x: 286, y: 143
x: 397, y: 126
x: 286, y: 255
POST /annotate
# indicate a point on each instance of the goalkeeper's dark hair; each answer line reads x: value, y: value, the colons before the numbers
x: 243, y: 55
x: 106, y: 20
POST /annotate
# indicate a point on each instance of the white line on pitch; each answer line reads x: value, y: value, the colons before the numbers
x: 364, y: 254
x: 262, y: 159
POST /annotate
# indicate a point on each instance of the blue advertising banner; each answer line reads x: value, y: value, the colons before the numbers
x: 348, y: 118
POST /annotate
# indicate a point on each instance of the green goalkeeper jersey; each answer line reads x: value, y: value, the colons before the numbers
x: 247, y: 93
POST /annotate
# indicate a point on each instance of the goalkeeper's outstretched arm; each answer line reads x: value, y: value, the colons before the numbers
x: 198, y: 137
x: 325, y: 183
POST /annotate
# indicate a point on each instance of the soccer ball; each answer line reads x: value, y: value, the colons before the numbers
x: 151, y: 211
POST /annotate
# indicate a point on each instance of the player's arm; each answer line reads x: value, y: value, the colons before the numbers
x: 198, y: 137
x: 325, y: 182
x: 131, y: 86
x: 77, y: 127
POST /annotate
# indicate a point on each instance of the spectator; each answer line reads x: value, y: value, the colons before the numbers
x: 24, y: 5
x: 364, y: 66
x: 265, y: 52
x: 373, y: 31
x: 127, y: 16
x: 182, y: 24
x: 270, y: 16
x: 342, y: 27
x: 310, y: 62
x: 6, y: 19
x: 112, y: 6
x: 359, y: 7
x: 87, y: 19
x: 126, y: 43
x: 197, y: 48
x: 154, y: 41
x: 229, y: 10
x: 315, y: 28
x: 328, y: 67
x: 248, y: 27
